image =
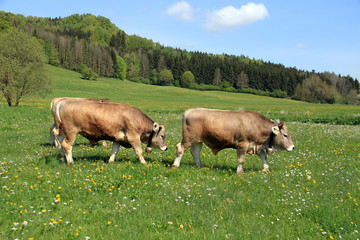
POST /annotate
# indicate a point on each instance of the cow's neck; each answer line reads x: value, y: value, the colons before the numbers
x: 150, y: 138
x: 271, y: 140
x: 148, y: 133
x: 265, y: 143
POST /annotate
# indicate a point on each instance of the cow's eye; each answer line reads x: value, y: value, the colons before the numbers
x: 162, y: 136
x: 285, y: 135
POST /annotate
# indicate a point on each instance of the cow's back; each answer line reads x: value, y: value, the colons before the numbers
x: 228, y: 127
x: 96, y: 118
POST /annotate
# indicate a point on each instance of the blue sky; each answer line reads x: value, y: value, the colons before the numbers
x: 309, y: 35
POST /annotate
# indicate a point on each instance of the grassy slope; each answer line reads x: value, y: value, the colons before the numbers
x: 171, y: 99
x: 310, y: 193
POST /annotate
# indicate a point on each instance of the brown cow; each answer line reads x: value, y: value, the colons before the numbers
x: 54, y: 130
x: 122, y: 124
x: 245, y: 131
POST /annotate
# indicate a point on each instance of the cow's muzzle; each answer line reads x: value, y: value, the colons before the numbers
x: 165, y: 148
x: 289, y: 149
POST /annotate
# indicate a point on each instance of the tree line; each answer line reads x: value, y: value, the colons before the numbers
x: 95, y: 46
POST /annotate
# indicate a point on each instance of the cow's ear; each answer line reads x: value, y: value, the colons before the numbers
x: 280, y: 125
x: 156, y: 127
x: 275, y: 130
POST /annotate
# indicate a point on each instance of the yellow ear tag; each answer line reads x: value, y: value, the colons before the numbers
x: 275, y: 130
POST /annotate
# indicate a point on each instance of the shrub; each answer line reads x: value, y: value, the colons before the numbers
x: 187, y: 79
x: 165, y: 77
x: 313, y: 89
x: 86, y: 72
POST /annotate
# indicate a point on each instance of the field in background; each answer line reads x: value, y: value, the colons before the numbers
x: 312, y: 192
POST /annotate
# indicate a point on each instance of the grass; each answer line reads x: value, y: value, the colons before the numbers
x: 312, y: 192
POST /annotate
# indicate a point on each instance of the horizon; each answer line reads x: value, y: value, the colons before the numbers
x: 310, y: 36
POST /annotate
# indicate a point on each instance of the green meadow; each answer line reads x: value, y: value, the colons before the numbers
x: 310, y: 193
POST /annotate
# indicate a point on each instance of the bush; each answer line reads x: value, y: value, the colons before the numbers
x: 313, y: 89
x: 165, y: 77
x: 187, y: 79
x: 86, y: 72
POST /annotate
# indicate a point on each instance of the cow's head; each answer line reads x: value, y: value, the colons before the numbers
x: 157, y: 138
x: 282, y: 139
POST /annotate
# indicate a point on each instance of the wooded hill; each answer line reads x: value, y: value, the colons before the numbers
x: 86, y: 41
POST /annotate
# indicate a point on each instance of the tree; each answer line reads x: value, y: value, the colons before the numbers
x: 4, y: 23
x: 154, y: 76
x: 51, y: 53
x: 133, y: 66
x: 187, y: 79
x: 217, y: 77
x: 145, y: 65
x: 161, y: 65
x: 86, y: 72
x: 242, y: 81
x: 313, y: 89
x: 120, y: 68
x: 165, y: 77
x: 23, y: 63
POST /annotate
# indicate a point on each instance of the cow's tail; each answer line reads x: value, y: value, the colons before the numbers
x: 58, y: 118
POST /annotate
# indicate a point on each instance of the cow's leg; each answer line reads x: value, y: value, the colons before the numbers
x: 195, y: 151
x: 263, y: 157
x: 180, y: 150
x: 241, y: 160
x: 52, y: 137
x: 66, y: 146
x: 58, y: 139
x: 136, y: 144
x: 114, y: 151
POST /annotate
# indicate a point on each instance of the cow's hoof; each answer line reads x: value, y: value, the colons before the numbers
x: 175, y: 166
x: 240, y: 171
x: 266, y: 168
x: 143, y: 162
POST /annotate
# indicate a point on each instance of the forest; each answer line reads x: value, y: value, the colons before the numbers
x: 96, y: 47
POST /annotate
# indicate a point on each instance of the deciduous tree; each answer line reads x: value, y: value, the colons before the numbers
x: 313, y: 89
x: 165, y: 77
x: 242, y: 81
x: 22, y: 66
x: 187, y: 79
x: 120, y: 68
x: 217, y: 77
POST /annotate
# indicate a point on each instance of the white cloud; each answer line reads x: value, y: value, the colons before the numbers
x: 230, y: 17
x: 302, y: 46
x: 181, y: 10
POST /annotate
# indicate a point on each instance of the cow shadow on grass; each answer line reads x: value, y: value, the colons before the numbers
x: 98, y: 144
x: 51, y: 159
x: 218, y: 167
x: 45, y: 145
x: 214, y: 167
